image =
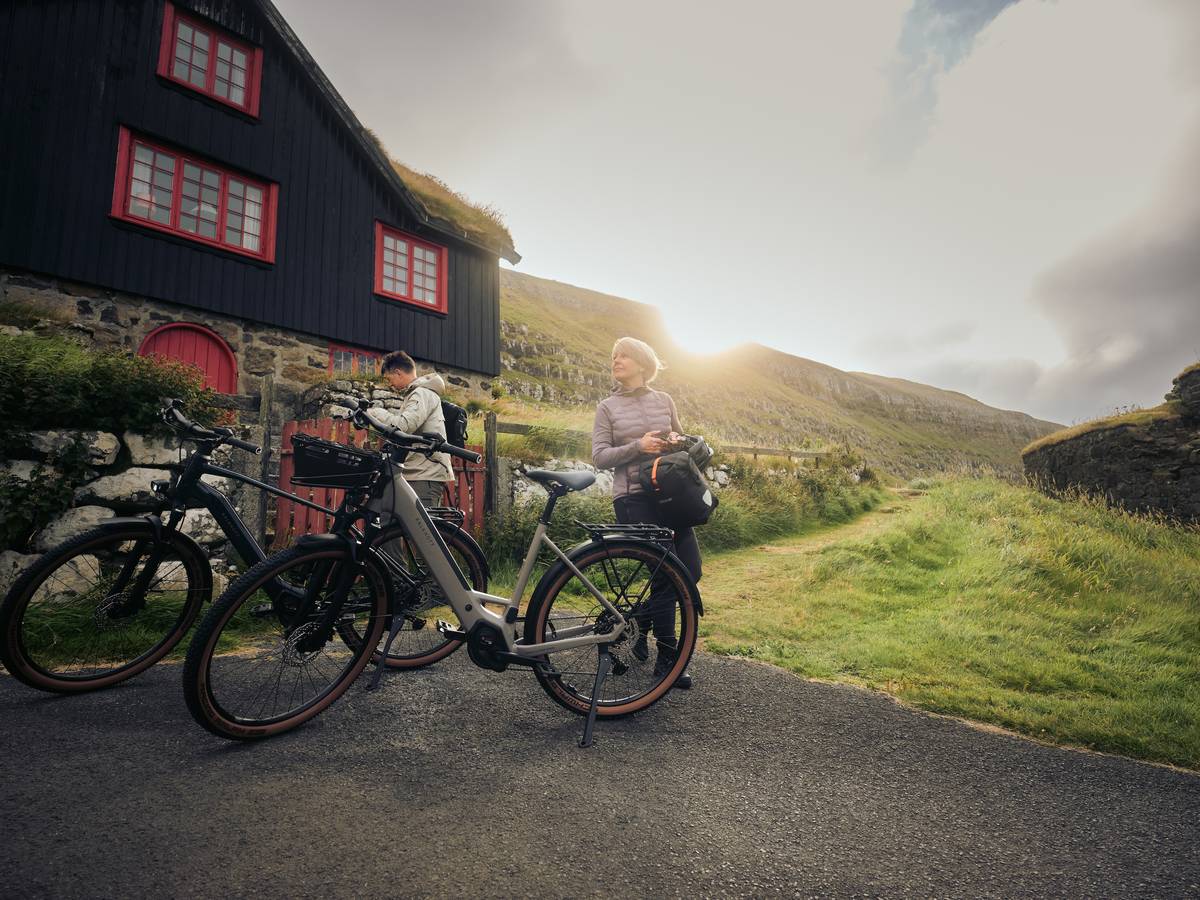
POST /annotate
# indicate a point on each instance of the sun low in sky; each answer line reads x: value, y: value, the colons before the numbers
x: 1000, y: 197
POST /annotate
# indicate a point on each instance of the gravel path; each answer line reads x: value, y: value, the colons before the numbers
x: 456, y: 782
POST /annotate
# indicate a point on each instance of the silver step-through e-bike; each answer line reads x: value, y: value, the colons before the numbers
x: 608, y: 629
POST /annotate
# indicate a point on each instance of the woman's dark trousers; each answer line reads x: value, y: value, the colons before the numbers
x: 639, y: 508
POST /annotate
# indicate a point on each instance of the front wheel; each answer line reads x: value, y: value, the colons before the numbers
x: 257, y: 667
x: 655, y: 594
x: 102, y: 607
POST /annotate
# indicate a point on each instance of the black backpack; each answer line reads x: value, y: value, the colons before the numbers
x: 680, y: 494
x: 456, y: 423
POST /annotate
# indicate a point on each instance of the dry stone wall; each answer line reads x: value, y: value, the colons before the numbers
x: 1141, y: 467
x: 118, y: 483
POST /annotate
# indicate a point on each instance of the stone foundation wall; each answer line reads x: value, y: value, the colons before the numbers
x: 1150, y: 467
x: 110, y: 319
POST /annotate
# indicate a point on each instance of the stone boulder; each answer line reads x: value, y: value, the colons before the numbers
x: 12, y: 564
x: 21, y: 469
x: 69, y: 524
x: 151, y: 450
x: 200, y: 526
x: 128, y: 490
x: 73, y: 577
x: 102, y: 446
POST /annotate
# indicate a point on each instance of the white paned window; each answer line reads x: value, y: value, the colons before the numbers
x: 410, y: 269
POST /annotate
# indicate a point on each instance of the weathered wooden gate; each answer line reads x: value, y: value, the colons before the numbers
x: 292, y: 519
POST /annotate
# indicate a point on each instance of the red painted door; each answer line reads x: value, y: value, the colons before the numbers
x: 198, y: 346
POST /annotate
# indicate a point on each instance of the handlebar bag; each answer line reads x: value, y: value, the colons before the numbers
x: 681, y: 495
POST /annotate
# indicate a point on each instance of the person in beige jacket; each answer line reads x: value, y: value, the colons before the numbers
x: 421, y: 412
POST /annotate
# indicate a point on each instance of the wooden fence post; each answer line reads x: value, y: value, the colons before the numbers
x: 266, y: 401
x: 491, y: 463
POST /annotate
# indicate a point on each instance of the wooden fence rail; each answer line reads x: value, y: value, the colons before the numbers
x: 586, y: 436
x: 492, y: 427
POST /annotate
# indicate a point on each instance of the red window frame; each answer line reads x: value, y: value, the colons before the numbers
x: 122, y: 202
x: 172, y: 19
x: 441, y: 274
x: 357, y: 353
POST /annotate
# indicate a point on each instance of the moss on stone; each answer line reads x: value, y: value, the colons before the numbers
x: 1139, y: 417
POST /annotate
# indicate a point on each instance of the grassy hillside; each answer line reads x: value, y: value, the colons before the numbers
x: 555, y: 346
x: 1061, y: 619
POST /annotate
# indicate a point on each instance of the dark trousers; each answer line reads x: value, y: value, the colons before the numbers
x: 663, y: 599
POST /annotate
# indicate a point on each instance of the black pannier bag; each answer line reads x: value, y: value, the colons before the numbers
x: 320, y: 463
x: 681, y: 495
x: 456, y: 423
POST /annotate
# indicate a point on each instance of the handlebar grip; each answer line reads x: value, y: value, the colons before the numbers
x: 461, y: 453
x: 243, y: 445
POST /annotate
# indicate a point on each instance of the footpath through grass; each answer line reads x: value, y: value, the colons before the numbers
x: 1059, y: 619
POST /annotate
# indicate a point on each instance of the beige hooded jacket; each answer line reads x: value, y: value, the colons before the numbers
x: 421, y: 412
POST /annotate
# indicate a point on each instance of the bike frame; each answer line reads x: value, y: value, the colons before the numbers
x: 191, y: 489
x: 468, y: 604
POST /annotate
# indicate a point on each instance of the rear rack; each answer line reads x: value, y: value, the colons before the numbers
x: 641, y: 531
x: 447, y: 514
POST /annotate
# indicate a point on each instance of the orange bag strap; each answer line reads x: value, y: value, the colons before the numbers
x: 654, y: 472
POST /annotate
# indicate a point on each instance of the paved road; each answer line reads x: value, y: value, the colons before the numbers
x: 453, y: 782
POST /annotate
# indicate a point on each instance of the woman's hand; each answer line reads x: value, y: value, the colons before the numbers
x: 650, y: 442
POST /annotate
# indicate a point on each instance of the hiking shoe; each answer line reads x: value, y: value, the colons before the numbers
x: 640, y: 650
x: 663, y: 665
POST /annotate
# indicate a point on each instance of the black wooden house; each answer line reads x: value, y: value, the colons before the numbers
x: 185, y: 175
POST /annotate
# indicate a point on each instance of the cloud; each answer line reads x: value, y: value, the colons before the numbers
x: 936, y: 340
x: 1126, y: 304
x: 936, y: 36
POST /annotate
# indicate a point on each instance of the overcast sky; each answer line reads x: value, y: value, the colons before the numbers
x: 1000, y: 197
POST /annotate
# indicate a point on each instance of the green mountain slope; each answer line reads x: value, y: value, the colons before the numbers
x: 555, y: 344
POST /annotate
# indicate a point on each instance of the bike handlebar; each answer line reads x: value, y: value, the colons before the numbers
x: 421, y: 443
x: 176, y: 419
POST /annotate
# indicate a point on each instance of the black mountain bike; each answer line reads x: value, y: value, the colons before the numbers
x: 109, y: 603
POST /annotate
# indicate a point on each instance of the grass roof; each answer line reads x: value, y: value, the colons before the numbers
x: 451, y: 210
x: 1168, y: 410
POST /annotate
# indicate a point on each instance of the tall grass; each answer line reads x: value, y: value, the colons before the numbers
x: 763, y: 503
x: 1058, y: 618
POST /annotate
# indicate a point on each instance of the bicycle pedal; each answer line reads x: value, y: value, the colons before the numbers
x: 445, y: 629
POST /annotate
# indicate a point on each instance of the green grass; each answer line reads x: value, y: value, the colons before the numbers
x: 1059, y: 619
x: 1136, y: 418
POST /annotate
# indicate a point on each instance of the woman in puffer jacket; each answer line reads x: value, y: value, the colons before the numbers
x: 632, y: 425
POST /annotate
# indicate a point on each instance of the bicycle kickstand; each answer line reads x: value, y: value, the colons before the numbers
x: 397, y: 625
x: 603, y: 667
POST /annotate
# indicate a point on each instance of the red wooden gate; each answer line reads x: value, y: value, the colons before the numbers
x: 198, y: 346
x: 292, y: 519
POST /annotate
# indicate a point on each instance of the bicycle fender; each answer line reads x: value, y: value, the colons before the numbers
x: 468, y: 539
x: 323, y: 540
x: 153, y: 520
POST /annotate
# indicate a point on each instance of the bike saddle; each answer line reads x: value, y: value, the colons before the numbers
x: 570, y: 481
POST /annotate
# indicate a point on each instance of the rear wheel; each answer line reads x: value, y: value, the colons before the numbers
x: 102, y: 607
x: 418, y: 599
x: 656, y: 596
x: 257, y: 668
